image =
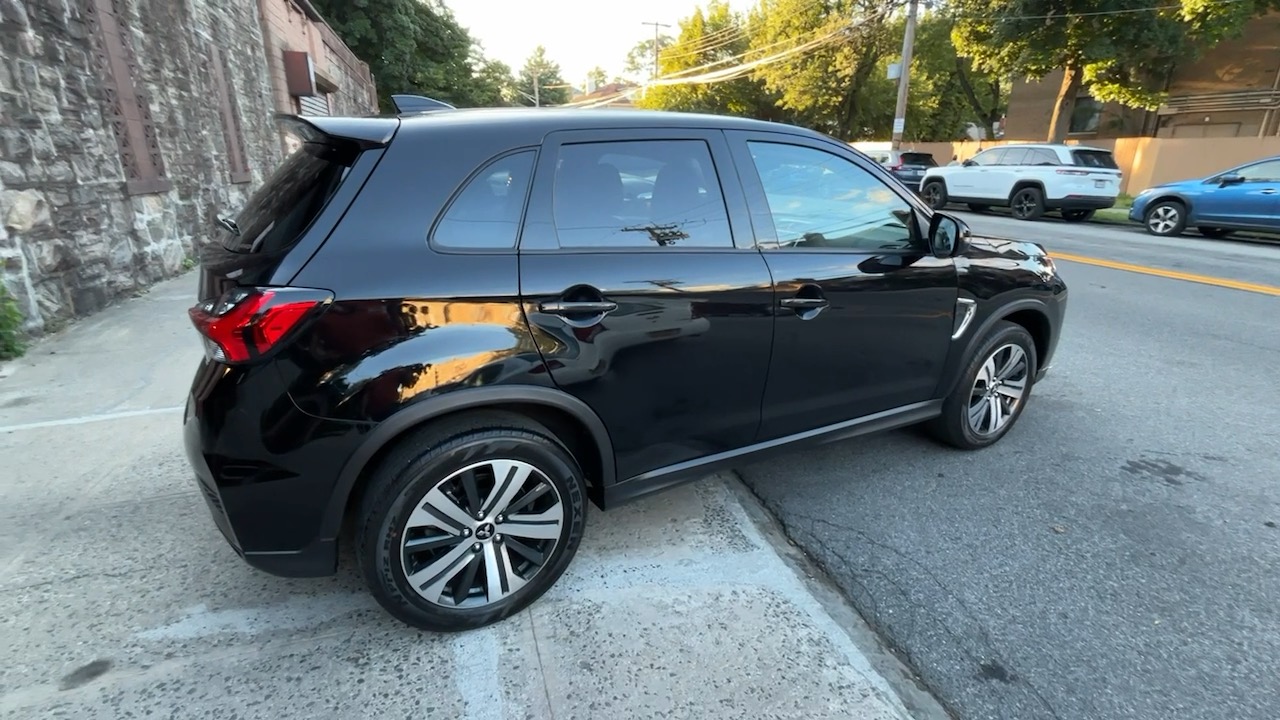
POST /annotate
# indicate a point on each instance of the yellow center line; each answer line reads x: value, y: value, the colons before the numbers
x: 1171, y: 274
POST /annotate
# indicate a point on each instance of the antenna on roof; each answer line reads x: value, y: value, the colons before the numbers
x: 418, y: 103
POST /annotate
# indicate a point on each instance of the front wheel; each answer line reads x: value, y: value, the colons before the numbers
x: 1166, y: 218
x: 1075, y: 216
x: 1027, y: 204
x: 469, y: 522
x: 935, y: 194
x: 993, y: 391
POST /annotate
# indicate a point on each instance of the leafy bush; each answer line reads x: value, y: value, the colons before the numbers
x: 12, y: 341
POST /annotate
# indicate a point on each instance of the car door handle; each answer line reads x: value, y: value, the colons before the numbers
x: 1268, y: 191
x: 803, y: 303
x: 590, y: 307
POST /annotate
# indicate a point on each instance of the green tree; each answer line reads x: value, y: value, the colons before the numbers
x: 413, y: 46
x: 551, y: 88
x: 597, y: 77
x: 710, y: 40
x: 493, y: 84
x: 1119, y: 49
x: 640, y: 58
x: 833, y: 88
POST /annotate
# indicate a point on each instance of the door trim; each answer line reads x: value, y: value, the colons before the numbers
x: 672, y: 475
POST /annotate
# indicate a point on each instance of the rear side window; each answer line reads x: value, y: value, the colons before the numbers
x: 924, y: 159
x: 646, y: 193
x: 287, y: 203
x: 486, y: 214
x: 1094, y: 158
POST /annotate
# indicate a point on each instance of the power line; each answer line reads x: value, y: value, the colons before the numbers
x: 1097, y: 13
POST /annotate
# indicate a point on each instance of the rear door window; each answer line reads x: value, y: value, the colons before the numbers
x: 486, y: 214
x: 1094, y: 158
x: 1015, y: 156
x: 1041, y: 156
x: 288, y: 202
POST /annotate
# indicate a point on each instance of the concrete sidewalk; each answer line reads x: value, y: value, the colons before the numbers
x: 118, y: 597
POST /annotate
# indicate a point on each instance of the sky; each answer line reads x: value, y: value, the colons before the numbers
x: 578, y: 34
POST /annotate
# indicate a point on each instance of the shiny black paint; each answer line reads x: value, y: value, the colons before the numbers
x: 672, y: 384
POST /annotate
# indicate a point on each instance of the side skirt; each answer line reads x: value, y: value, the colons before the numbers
x: 672, y: 475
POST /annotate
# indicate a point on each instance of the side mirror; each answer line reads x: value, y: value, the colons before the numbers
x: 969, y: 163
x: 948, y: 236
x: 1232, y: 179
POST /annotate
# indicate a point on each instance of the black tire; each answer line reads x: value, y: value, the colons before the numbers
x: 954, y: 426
x: 979, y: 208
x: 416, y: 466
x: 1075, y: 216
x: 1214, y: 233
x: 1027, y: 203
x: 1166, y: 218
x: 934, y: 193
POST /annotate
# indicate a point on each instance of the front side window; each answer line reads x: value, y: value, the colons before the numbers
x: 486, y: 214
x: 646, y: 193
x: 989, y: 157
x: 820, y: 200
x: 1262, y: 172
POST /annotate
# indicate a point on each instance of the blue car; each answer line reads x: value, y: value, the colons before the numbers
x: 1242, y: 198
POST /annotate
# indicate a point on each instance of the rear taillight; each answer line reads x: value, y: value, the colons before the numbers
x: 246, y: 323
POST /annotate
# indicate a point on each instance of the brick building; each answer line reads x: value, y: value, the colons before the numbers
x: 1231, y: 91
x: 128, y: 126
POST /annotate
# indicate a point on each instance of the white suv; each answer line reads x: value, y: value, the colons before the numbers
x: 1029, y: 179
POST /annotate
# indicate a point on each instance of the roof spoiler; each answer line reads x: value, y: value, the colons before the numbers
x: 418, y: 103
x: 365, y: 132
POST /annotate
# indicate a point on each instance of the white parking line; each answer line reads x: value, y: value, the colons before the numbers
x: 83, y: 419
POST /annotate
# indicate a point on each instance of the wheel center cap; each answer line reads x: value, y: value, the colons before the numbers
x: 485, y: 531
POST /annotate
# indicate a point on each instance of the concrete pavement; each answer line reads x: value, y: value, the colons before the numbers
x: 1115, y: 556
x: 118, y: 597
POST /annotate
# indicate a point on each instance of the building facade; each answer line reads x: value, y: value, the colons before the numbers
x: 128, y: 126
x: 1232, y: 90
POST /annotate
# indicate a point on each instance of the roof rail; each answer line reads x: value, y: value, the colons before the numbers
x: 418, y: 103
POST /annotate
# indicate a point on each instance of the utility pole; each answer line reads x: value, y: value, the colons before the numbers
x: 537, y: 82
x: 904, y: 76
x: 655, y: 25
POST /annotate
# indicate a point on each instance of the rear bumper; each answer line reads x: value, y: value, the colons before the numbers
x: 1083, y: 202
x: 266, y: 470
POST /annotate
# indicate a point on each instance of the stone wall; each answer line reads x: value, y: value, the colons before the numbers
x: 126, y: 128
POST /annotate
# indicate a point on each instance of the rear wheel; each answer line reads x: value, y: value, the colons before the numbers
x: 993, y: 391
x: 1027, y: 204
x: 469, y: 522
x: 1214, y: 233
x: 1166, y: 218
x: 1074, y: 216
x: 935, y: 194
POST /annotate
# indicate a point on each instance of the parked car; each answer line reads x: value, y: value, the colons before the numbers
x: 438, y: 335
x: 1246, y: 197
x: 1030, y: 180
x: 906, y: 165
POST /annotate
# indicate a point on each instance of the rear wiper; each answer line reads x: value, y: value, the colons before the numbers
x: 229, y: 224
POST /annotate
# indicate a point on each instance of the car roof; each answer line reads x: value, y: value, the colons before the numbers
x: 552, y: 118
x: 1048, y: 146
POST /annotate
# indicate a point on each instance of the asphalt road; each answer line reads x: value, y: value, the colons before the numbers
x: 1118, y: 554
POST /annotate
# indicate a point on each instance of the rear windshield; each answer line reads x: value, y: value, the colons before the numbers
x: 282, y: 209
x: 924, y: 159
x: 1094, y: 158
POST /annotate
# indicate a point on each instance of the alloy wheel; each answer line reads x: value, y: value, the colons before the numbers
x: 998, y: 390
x: 1163, y: 219
x: 481, y: 534
x: 1024, y: 205
x: 933, y: 195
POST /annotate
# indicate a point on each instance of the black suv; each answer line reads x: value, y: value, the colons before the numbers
x: 438, y: 334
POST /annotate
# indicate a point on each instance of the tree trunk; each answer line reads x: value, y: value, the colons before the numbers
x: 988, y: 116
x: 1060, y: 124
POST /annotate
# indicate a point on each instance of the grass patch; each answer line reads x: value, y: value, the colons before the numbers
x: 12, y: 340
x: 1115, y: 215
